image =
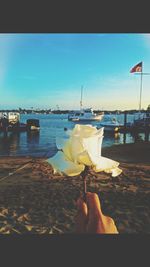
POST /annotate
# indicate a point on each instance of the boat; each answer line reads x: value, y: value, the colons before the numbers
x: 33, y: 125
x: 111, y: 125
x: 84, y: 115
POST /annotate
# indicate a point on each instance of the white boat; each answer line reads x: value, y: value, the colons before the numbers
x: 85, y: 115
x: 111, y: 125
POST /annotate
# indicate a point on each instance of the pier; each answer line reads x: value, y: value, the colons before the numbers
x: 140, y: 125
x: 11, y: 123
x: 135, y: 128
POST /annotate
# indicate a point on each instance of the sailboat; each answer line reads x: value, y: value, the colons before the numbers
x: 84, y: 115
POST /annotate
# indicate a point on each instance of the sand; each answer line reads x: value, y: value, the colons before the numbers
x: 35, y: 201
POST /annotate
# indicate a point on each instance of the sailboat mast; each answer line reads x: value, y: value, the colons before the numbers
x: 81, y: 98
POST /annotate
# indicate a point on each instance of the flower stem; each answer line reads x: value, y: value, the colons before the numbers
x: 84, y: 189
x: 83, y: 174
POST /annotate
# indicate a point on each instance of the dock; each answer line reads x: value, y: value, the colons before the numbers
x: 134, y: 129
x: 8, y: 125
x: 21, y: 127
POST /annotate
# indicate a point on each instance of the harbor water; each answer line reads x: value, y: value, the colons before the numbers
x: 52, y: 130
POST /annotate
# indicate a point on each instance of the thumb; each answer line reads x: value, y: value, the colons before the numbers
x: 98, y: 222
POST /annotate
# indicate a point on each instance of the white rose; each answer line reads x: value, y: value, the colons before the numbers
x: 83, y: 148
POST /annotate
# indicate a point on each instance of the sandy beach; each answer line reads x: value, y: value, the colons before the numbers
x: 34, y: 200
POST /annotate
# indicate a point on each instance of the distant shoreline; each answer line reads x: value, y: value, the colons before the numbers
x: 66, y: 111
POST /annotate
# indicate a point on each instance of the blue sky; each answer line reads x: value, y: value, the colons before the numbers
x: 46, y: 70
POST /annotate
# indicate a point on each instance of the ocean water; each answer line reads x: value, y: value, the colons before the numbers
x: 51, y: 134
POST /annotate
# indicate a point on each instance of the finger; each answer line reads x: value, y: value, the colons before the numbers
x: 81, y: 206
x: 81, y: 218
x: 93, y: 203
x: 94, y: 213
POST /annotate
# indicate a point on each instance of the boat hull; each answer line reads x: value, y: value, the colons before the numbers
x: 86, y: 119
x: 111, y: 127
x: 90, y: 119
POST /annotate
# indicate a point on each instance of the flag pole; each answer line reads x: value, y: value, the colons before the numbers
x: 136, y: 70
x: 140, y: 91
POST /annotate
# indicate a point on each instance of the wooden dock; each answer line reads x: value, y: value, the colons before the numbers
x: 31, y: 125
x: 134, y: 129
x: 142, y: 127
x: 10, y: 128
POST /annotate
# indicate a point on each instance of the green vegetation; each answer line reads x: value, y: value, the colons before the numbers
x: 58, y: 111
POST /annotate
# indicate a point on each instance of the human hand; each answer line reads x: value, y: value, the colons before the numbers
x: 90, y: 218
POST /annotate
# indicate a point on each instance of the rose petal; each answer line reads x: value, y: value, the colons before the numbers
x: 116, y: 172
x: 93, y: 146
x: 61, y: 165
x: 76, y: 147
x: 67, y: 150
x: 108, y: 166
x: 83, y: 158
x: 84, y: 130
x: 60, y: 142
